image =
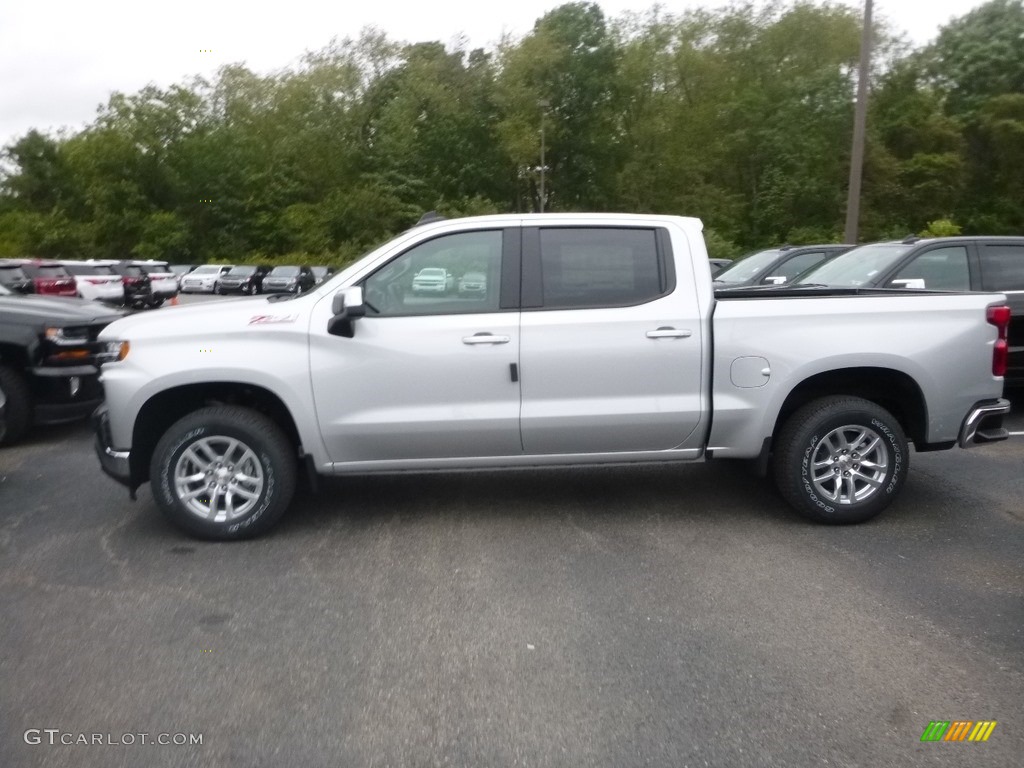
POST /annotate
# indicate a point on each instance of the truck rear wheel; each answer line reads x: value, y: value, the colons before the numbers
x: 18, y: 408
x: 223, y: 473
x: 841, y: 460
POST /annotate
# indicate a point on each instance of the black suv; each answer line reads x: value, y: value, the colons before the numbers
x: 138, y: 288
x: 244, y: 278
x: 49, y: 359
x: 776, y: 266
x: 289, y: 280
x: 939, y: 264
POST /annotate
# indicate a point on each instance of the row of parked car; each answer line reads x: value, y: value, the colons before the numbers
x: 136, y: 284
x: 250, y: 279
x: 142, y: 284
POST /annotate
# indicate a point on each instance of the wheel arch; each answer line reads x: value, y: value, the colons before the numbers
x: 893, y: 390
x: 168, y: 406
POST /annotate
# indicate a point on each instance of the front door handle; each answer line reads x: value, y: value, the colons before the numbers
x: 486, y: 338
x: 665, y: 332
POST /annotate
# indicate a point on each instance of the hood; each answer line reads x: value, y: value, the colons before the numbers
x: 223, y: 315
x: 64, y: 311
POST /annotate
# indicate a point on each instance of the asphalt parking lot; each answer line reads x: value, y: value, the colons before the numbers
x: 612, y: 617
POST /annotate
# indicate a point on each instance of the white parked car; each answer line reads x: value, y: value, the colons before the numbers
x: 204, y: 279
x: 162, y: 279
x: 433, y: 280
x: 473, y: 284
x: 96, y: 282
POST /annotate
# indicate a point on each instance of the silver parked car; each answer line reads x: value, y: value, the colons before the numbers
x: 204, y: 279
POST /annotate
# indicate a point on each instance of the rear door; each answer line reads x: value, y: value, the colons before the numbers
x: 611, y: 352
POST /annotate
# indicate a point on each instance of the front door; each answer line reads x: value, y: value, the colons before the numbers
x: 428, y: 372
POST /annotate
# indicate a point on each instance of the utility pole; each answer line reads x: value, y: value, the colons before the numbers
x: 543, y: 104
x: 860, y: 119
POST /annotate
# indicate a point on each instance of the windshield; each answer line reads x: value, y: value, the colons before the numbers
x: 747, y: 268
x: 4, y: 291
x: 432, y: 272
x: 857, y: 267
x: 240, y: 271
x: 285, y: 272
x: 207, y: 269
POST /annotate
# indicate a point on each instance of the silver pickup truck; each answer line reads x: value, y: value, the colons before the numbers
x: 598, y: 340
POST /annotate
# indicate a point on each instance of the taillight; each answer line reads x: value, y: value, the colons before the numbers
x: 1000, y: 318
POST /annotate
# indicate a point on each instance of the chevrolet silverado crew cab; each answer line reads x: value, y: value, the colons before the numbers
x: 598, y: 340
x: 49, y: 359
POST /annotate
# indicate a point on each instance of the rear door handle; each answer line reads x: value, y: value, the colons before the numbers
x: 666, y: 332
x: 486, y: 338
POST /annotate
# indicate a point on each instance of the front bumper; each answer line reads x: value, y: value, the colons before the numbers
x: 984, y: 423
x: 197, y: 287
x: 115, y: 464
x: 64, y: 393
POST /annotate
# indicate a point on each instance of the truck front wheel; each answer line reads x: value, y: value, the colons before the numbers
x: 841, y: 460
x: 223, y: 472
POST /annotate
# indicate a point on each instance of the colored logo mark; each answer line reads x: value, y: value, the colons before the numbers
x: 958, y: 730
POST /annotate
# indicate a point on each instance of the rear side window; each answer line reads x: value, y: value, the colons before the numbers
x: 599, y: 267
x: 940, y: 269
x: 1002, y: 267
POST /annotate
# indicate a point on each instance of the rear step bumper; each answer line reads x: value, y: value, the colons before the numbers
x: 984, y: 424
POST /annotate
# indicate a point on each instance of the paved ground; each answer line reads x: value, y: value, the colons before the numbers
x: 614, y: 618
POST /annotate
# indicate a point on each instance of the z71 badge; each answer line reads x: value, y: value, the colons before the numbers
x: 272, y: 319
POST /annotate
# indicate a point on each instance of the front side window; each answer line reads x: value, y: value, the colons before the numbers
x: 589, y: 268
x: 451, y: 274
x: 940, y: 269
x: 747, y: 267
x: 1002, y: 267
x: 800, y: 263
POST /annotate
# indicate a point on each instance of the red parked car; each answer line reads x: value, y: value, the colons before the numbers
x: 50, y: 277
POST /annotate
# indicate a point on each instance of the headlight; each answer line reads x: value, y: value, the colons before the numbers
x: 113, y: 352
x: 67, y: 336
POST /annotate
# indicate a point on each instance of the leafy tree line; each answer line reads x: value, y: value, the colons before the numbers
x: 740, y: 116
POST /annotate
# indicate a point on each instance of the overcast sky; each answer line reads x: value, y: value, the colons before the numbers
x: 60, y: 59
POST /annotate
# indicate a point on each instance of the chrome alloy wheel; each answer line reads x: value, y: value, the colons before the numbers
x: 849, y: 464
x: 218, y: 478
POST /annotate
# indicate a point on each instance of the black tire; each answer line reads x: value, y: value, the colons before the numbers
x: 18, y: 410
x: 154, y: 303
x: 860, y: 476
x: 272, y: 456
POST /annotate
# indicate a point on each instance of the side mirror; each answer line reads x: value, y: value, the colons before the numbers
x: 346, y: 306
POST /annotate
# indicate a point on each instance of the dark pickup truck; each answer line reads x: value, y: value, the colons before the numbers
x: 49, y: 360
